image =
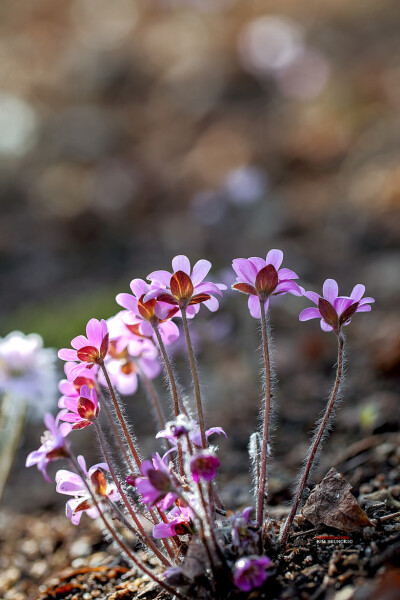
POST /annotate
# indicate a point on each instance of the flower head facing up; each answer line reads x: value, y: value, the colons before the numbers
x: 180, y: 523
x: 260, y: 279
x: 185, y: 288
x: 156, y: 487
x: 73, y: 485
x: 142, y: 314
x: 250, y: 572
x: 204, y: 465
x: 91, y: 349
x: 335, y: 311
x: 81, y: 411
x: 53, y: 447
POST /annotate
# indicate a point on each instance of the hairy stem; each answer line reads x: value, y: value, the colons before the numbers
x: 114, y: 429
x: 315, y: 443
x: 267, y: 413
x: 195, y: 378
x: 120, y: 415
x: 169, y: 369
x: 151, y: 391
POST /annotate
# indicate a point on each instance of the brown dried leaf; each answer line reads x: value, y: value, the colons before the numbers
x: 332, y: 504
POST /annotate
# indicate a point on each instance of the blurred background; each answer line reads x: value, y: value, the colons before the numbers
x: 134, y: 130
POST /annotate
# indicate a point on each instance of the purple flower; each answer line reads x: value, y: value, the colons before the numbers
x: 185, y: 288
x: 250, y: 572
x: 242, y: 534
x: 90, y: 349
x: 263, y: 278
x: 157, y: 484
x: 144, y: 313
x: 182, y: 426
x: 81, y: 411
x: 53, y: 445
x: 204, y: 465
x: 71, y: 388
x: 73, y: 485
x: 180, y: 523
x: 335, y: 311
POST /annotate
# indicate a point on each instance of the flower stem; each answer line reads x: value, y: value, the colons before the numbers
x: 266, y: 420
x: 316, y: 442
x: 120, y: 415
x: 153, y: 397
x: 125, y: 500
x: 168, y: 368
x: 120, y: 542
x: 115, y: 431
x: 195, y: 379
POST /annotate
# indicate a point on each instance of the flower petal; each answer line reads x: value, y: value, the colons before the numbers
x: 94, y: 332
x: 358, y: 292
x: 163, y: 277
x: 274, y: 258
x: 254, y: 307
x: 181, y: 263
x: 127, y: 301
x: 245, y: 288
x: 330, y: 290
x: 138, y: 287
x: 287, y: 274
x: 309, y: 313
x: 245, y: 270
x: 200, y: 271
x: 212, y: 304
x: 67, y: 354
x: 258, y: 262
x: 325, y: 326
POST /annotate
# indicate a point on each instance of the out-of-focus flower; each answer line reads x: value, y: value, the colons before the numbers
x: 53, y: 445
x: 186, y: 288
x: 72, y: 484
x: 27, y: 370
x: 250, y: 572
x: 263, y: 278
x: 242, y: 534
x: 157, y: 483
x: 335, y: 311
x: 204, y: 465
x: 180, y: 523
x: 144, y: 314
x: 81, y: 411
x: 246, y: 185
x: 91, y: 349
x: 184, y: 426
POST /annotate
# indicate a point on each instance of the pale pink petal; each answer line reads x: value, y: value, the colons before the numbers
x: 80, y: 341
x: 169, y: 332
x: 325, y: 326
x: 94, y: 333
x: 67, y: 354
x: 245, y: 270
x: 152, y: 294
x: 309, y: 313
x: 313, y: 296
x: 127, y: 384
x: 70, y: 508
x: 274, y: 258
x: 212, y: 304
x: 287, y: 274
x: 207, y: 288
x: 82, y: 463
x: 342, y: 303
x: 258, y: 262
x: 358, y: 292
x: 70, y: 417
x: 71, y: 404
x: 200, y: 270
x: 163, y: 277
x: 367, y: 300
x: 138, y: 287
x: 330, y: 290
x: 254, y: 307
x: 363, y: 308
x: 146, y: 329
x: 127, y: 301
x: 288, y: 286
x: 181, y: 263
x: 151, y: 367
x: 162, y: 310
x: 69, y: 483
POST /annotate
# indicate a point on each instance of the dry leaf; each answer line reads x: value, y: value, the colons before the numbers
x: 332, y: 504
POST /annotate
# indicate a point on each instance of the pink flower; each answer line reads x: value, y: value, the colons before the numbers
x: 263, y: 278
x: 73, y: 485
x: 250, y: 572
x: 91, y: 349
x: 53, y: 445
x: 71, y: 388
x: 204, y: 465
x: 157, y: 484
x: 180, y: 523
x: 81, y: 411
x: 144, y: 314
x: 186, y: 288
x: 182, y: 426
x: 336, y: 311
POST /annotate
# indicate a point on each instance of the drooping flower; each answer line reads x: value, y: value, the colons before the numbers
x: 185, y: 288
x: 250, y: 572
x: 244, y: 532
x: 180, y: 523
x: 260, y: 279
x: 144, y: 314
x: 157, y: 484
x: 72, y: 484
x: 336, y: 311
x: 53, y: 447
x: 90, y: 349
x: 204, y: 465
x: 81, y: 411
x: 128, y: 355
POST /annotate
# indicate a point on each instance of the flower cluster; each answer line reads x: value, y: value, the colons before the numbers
x: 176, y: 491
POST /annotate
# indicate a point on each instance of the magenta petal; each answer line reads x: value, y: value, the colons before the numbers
x: 287, y: 274
x: 152, y: 294
x: 207, y: 288
x: 163, y: 530
x: 212, y: 304
x: 67, y: 354
x: 330, y: 290
x: 181, y: 263
x: 364, y: 308
x: 342, y: 303
x: 325, y: 326
x: 313, y: 296
x: 309, y: 313
x: 127, y: 301
x: 163, y: 277
x: 69, y: 483
x: 138, y: 287
x: 358, y: 292
x: 254, y: 307
x: 258, y: 262
x: 288, y: 286
x: 245, y: 270
x: 274, y: 258
x: 94, y: 333
x: 366, y: 300
x: 200, y: 271
x: 169, y: 332
x: 80, y: 341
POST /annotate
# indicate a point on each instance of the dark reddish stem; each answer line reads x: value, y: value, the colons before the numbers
x: 316, y: 442
x: 115, y: 432
x: 267, y: 412
x: 195, y: 378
